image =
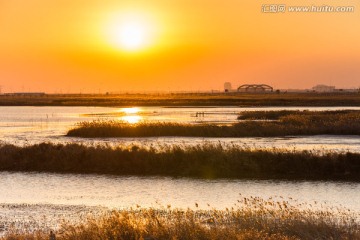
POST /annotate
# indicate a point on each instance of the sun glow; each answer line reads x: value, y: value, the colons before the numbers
x: 131, y: 32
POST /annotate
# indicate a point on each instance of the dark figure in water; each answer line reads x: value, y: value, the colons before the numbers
x: 52, y: 236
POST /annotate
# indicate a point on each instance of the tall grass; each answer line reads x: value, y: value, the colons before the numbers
x: 288, y: 123
x: 251, y: 218
x: 200, y: 161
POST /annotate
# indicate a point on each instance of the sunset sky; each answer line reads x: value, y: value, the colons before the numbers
x: 170, y: 45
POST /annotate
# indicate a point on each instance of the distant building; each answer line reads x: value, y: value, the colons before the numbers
x: 227, y: 87
x: 255, y: 88
x: 323, y: 88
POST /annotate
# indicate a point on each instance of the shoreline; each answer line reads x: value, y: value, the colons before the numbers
x: 189, y: 100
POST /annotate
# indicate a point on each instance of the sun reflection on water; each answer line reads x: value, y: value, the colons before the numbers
x: 131, y: 119
x: 131, y: 115
x: 132, y: 110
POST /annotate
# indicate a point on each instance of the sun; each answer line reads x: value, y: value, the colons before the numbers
x: 132, y: 35
x: 131, y: 32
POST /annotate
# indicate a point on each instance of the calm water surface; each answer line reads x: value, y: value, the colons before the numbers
x: 125, y: 192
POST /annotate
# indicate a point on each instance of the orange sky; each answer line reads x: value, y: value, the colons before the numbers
x: 66, y: 46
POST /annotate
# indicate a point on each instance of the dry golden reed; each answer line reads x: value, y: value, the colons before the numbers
x: 250, y: 218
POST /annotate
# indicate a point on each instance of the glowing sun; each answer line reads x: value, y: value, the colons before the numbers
x: 131, y: 33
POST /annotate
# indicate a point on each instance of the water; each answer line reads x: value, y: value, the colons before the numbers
x: 125, y: 192
x: 47, y: 198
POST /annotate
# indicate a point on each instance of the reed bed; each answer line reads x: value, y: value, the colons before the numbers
x: 250, y: 218
x: 283, y: 114
x: 288, y: 123
x: 199, y: 161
